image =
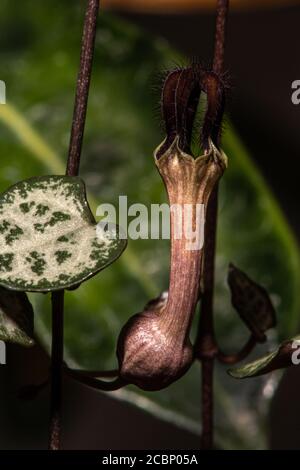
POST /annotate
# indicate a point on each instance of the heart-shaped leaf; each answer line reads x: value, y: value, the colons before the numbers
x: 16, y: 318
x: 280, y: 358
x: 252, y: 302
x: 49, y: 239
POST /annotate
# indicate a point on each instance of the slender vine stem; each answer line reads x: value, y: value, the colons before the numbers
x: 95, y: 383
x: 206, y: 344
x: 207, y: 404
x: 94, y: 373
x: 56, y: 369
x: 72, y: 169
x: 83, y: 85
x: 239, y: 356
x: 219, y: 52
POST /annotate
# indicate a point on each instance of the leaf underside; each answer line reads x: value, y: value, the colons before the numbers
x: 48, y: 236
x: 278, y: 359
x: 16, y: 318
x: 252, y: 302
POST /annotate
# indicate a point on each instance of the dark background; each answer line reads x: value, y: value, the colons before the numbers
x: 262, y: 59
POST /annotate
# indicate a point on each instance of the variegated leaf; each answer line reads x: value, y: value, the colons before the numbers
x: 49, y: 238
x: 278, y: 359
x: 16, y: 317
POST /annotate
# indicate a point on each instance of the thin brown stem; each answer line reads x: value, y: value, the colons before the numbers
x: 56, y: 370
x: 72, y: 169
x: 206, y: 325
x: 83, y: 85
x: 207, y: 404
x: 95, y: 373
x: 220, y: 35
x: 206, y: 348
x: 239, y: 356
x: 97, y: 384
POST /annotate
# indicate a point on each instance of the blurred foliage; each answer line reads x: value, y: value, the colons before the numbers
x: 39, y: 53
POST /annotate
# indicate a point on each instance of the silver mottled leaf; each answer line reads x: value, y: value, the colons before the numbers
x: 278, y: 359
x: 49, y: 238
x: 16, y: 318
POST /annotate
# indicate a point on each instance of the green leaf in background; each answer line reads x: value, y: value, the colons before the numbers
x: 48, y: 236
x: 16, y: 318
x: 278, y: 359
x: 252, y: 302
x: 39, y: 45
